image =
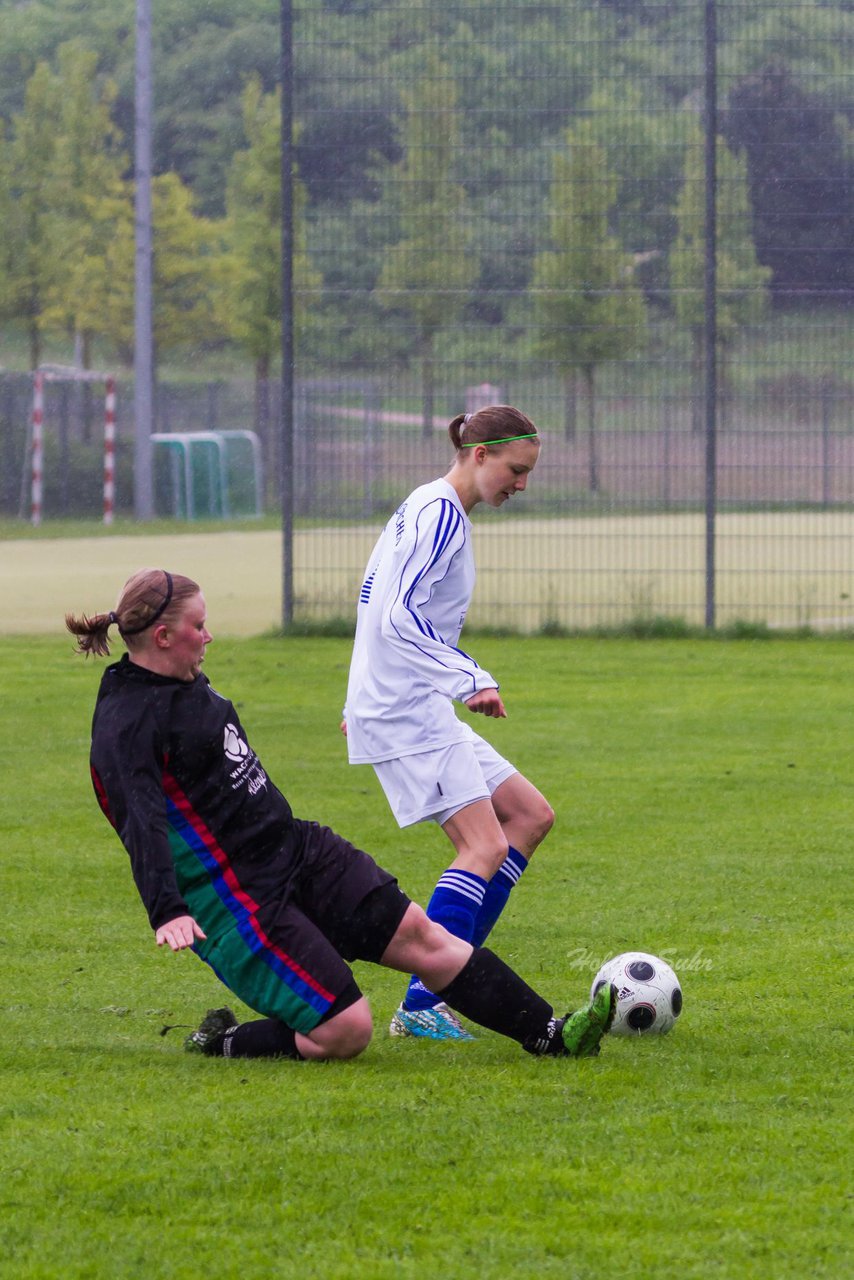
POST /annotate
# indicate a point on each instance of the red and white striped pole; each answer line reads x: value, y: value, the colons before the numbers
x: 37, y: 450
x: 109, y: 451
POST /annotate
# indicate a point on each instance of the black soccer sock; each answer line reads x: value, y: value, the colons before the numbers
x: 264, y: 1038
x: 487, y: 991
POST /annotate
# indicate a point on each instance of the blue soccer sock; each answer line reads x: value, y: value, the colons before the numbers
x: 497, y: 893
x: 455, y: 903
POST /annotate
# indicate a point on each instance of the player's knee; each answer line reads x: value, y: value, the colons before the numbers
x: 544, y: 819
x: 355, y: 1035
x: 421, y: 935
x: 347, y: 1034
x: 539, y: 818
x: 424, y: 947
x: 434, y: 945
x: 485, y: 858
x: 415, y: 928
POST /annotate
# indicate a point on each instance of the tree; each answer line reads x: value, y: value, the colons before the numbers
x: 427, y: 274
x: 202, y: 68
x: 80, y: 192
x: 800, y: 184
x: 253, y: 292
x: 28, y: 157
x: 587, y: 307
x: 7, y: 222
x: 61, y: 175
x: 346, y: 110
x: 639, y: 134
x: 67, y: 257
x: 188, y: 263
x: 742, y: 296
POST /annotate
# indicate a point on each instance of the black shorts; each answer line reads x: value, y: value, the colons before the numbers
x: 341, y: 907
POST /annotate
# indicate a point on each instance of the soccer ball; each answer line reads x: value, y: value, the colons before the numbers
x: 649, y: 998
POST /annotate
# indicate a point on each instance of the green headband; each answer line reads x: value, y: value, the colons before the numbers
x: 531, y: 435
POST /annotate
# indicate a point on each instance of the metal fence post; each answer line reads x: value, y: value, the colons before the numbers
x: 287, y: 414
x: 710, y: 285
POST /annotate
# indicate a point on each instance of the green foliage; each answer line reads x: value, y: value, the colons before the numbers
x: 813, y: 40
x: 188, y: 268
x: 587, y: 308
x: 84, y: 197
x: 67, y: 255
x: 427, y: 268
x: 704, y: 809
x: 68, y: 248
x: 800, y: 179
x: 742, y: 282
x: 252, y: 296
x: 640, y: 137
x: 427, y: 273
x: 345, y: 146
x: 741, y: 295
x: 204, y: 61
x: 28, y: 157
x: 513, y: 77
x: 187, y: 262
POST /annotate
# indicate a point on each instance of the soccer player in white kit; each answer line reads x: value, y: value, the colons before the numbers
x: 407, y: 672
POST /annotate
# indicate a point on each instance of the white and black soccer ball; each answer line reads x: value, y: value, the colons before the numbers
x: 649, y: 997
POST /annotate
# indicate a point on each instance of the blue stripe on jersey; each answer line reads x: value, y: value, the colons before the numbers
x: 448, y: 524
x: 365, y: 593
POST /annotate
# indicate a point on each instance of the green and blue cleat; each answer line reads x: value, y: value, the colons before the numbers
x: 438, y: 1023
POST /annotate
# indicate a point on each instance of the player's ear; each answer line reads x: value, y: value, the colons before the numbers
x: 160, y: 636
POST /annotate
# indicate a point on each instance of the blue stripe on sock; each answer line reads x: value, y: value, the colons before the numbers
x: 497, y: 893
x: 512, y: 866
x: 463, y: 883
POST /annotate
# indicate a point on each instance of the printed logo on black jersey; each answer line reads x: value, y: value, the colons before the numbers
x: 248, y: 773
x: 233, y: 745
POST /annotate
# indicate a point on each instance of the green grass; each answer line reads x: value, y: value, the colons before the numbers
x: 705, y: 809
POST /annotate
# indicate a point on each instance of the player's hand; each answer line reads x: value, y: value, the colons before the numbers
x: 487, y: 702
x: 343, y: 727
x: 179, y: 933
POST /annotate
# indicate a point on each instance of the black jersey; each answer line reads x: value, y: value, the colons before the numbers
x: 188, y: 796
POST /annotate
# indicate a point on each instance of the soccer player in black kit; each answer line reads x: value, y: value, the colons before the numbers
x: 276, y: 905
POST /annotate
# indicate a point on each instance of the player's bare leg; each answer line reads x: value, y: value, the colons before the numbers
x: 493, y: 839
x: 524, y: 814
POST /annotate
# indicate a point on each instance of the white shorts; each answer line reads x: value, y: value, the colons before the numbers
x: 434, y: 785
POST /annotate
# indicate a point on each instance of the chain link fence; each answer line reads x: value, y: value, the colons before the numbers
x: 509, y: 200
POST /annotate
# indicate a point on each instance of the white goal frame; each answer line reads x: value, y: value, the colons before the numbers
x: 62, y: 373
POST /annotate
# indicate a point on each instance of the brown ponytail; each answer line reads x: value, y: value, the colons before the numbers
x: 91, y: 632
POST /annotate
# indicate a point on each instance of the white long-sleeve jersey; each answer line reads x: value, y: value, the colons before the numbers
x: 406, y: 669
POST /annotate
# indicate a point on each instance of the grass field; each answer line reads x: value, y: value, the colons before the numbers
x: 784, y: 569
x: 705, y: 809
